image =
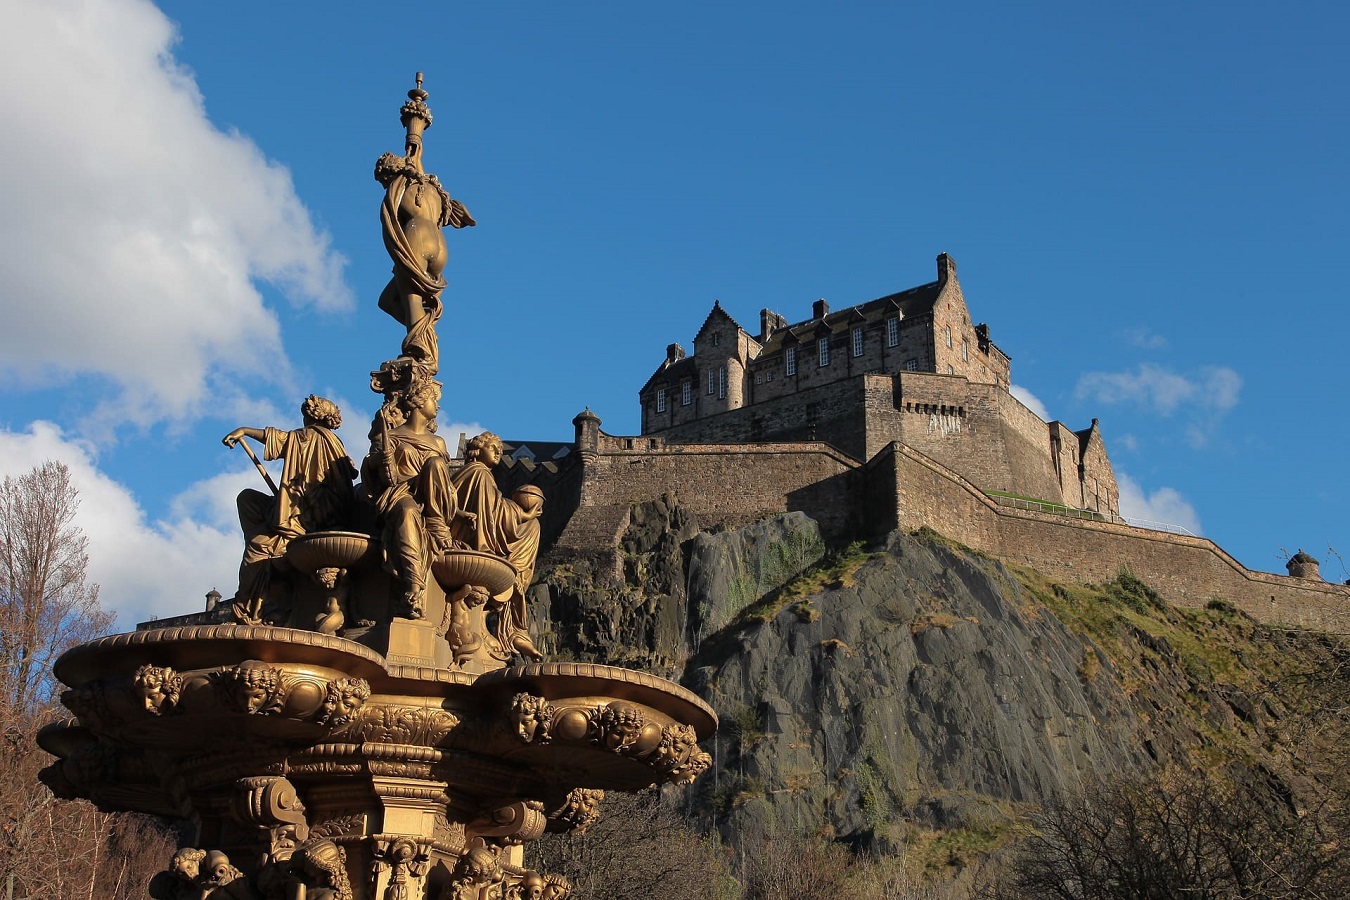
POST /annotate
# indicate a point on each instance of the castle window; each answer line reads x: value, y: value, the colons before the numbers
x: 770, y: 377
x: 823, y: 347
x: 712, y: 382
x: 965, y: 350
x: 911, y: 365
x: 892, y: 331
x: 686, y: 393
x: 857, y: 342
x: 951, y: 371
x: 660, y: 399
x: 790, y: 356
x: 949, y: 337
x: 722, y: 383
x: 717, y: 338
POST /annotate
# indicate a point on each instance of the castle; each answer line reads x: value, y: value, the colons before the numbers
x: 893, y: 414
x: 908, y: 367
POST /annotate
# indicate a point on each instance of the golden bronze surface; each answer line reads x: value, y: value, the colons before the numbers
x: 375, y: 721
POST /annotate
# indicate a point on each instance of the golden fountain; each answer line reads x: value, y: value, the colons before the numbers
x: 372, y: 720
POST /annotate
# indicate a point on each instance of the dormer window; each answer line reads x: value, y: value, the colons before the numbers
x: 790, y: 360
x: 892, y: 331
x: 823, y: 348
x: 858, y: 341
x: 660, y: 400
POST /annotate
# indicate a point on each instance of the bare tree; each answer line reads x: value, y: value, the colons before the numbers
x: 48, y: 847
x: 641, y: 847
x: 1198, y: 834
x: 46, y: 602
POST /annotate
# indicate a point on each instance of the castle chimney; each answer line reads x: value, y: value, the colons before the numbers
x: 674, y: 353
x: 1301, y: 565
x: 946, y: 267
x: 820, y: 309
x: 769, y: 322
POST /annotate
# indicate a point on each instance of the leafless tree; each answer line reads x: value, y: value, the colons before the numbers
x: 640, y: 848
x: 46, y: 602
x: 48, y: 847
x: 1195, y: 834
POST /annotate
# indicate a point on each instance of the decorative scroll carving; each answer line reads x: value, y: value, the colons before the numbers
x: 616, y: 726
x: 517, y: 822
x: 271, y: 803
x: 341, y: 826
x: 423, y: 726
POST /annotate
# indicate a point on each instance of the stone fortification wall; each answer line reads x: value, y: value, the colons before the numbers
x: 721, y: 484
x: 979, y: 430
x: 1187, y: 571
x: 833, y: 411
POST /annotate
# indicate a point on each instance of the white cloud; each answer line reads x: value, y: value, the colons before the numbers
x: 143, y: 568
x: 1030, y: 401
x: 1214, y: 389
x: 1165, y: 505
x: 1145, y: 338
x: 133, y: 229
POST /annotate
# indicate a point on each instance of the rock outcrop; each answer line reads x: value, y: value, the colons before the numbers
x: 917, y: 684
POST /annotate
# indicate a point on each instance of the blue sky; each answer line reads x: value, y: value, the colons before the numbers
x: 1146, y: 204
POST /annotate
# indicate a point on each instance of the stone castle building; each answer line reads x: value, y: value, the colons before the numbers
x: 907, y: 367
x: 893, y: 414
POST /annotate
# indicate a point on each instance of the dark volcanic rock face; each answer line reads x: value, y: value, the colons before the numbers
x: 926, y: 688
x: 921, y: 682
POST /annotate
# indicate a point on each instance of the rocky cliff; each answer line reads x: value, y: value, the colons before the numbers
x: 867, y: 693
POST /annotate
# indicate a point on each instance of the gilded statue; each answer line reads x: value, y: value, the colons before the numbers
x: 414, y: 211
x: 315, y: 494
x: 505, y: 526
x: 407, y: 477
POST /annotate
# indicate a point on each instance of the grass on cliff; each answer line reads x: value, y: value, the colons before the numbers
x: 836, y: 570
x: 1265, y: 674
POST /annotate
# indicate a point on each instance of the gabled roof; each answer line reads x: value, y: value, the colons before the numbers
x: 717, y: 312
x: 916, y: 301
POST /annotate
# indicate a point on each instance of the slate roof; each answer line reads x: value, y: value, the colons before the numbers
x: 916, y: 301
x: 672, y: 374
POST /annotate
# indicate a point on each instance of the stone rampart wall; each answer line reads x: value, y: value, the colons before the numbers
x: 721, y: 484
x: 1187, y: 571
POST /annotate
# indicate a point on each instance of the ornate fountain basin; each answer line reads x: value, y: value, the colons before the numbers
x: 333, y: 549
x: 213, y: 723
x: 460, y: 567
